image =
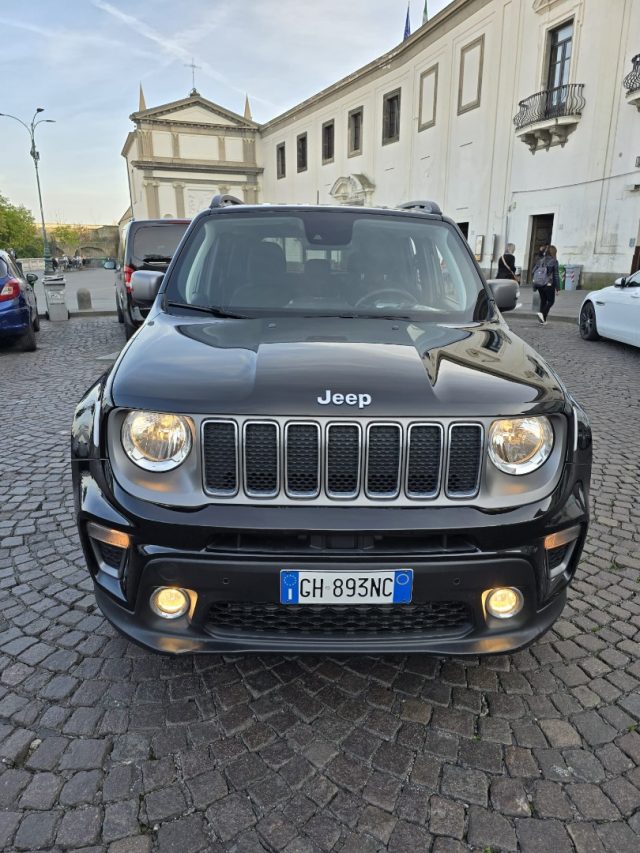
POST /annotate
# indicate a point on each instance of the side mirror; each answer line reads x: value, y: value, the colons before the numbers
x: 145, y: 285
x: 32, y: 278
x: 621, y: 282
x: 505, y: 293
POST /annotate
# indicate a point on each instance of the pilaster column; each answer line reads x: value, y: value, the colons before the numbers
x: 179, y: 191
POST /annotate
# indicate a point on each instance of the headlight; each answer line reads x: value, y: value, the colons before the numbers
x: 155, y: 441
x: 520, y: 445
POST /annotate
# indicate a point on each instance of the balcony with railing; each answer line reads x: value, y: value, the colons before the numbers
x: 549, y: 117
x: 632, y: 82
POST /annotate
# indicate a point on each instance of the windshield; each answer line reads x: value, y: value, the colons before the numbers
x: 328, y: 263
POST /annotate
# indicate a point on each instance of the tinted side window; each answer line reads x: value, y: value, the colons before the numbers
x: 3, y: 268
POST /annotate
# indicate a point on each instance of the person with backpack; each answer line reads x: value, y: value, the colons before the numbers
x: 546, y: 280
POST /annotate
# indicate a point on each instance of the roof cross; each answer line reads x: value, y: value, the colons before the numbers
x: 193, y: 68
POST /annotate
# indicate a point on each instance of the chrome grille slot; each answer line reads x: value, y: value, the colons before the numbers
x: 424, y: 460
x: 324, y: 460
x: 343, y: 460
x: 384, y: 456
x: 465, y: 458
x: 302, y: 459
x: 220, y: 453
x: 261, y: 459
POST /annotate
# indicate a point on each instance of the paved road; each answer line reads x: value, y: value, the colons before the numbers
x: 107, y: 747
x: 99, y: 282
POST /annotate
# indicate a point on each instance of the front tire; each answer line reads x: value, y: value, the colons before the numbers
x: 28, y: 340
x: 588, y: 325
x: 36, y: 322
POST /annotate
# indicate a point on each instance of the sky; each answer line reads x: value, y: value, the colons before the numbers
x: 83, y: 61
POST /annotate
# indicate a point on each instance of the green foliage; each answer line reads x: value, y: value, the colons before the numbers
x: 18, y: 230
x: 68, y: 238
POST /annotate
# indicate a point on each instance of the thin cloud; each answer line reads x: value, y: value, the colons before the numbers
x: 173, y: 46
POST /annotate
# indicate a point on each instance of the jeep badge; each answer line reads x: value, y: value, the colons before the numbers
x: 339, y: 399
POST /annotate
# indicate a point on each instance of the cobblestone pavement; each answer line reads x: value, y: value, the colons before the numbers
x: 106, y: 747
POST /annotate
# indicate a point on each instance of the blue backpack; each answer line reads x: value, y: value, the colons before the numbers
x: 541, y: 275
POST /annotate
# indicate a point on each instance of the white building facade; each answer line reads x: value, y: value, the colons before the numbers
x: 521, y: 118
x: 434, y: 119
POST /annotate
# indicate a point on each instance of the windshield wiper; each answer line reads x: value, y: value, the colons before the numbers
x: 165, y: 258
x: 209, y: 309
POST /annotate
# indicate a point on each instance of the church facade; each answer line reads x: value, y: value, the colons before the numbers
x: 183, y: 153
x: 521, y: 119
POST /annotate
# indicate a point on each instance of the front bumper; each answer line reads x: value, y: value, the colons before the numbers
x: 473, y: 552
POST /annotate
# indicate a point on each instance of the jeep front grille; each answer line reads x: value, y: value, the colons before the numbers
x: 374, y: 461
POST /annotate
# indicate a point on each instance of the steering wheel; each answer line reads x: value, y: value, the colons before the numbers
x: 367, y: 298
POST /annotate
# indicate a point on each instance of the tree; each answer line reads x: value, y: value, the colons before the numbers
x: 68, y: 238
x: 18, y: 230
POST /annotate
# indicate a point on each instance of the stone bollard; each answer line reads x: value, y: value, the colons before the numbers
x: 84, y: 299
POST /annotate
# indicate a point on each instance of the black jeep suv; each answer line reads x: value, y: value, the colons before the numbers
x: 325, y: 438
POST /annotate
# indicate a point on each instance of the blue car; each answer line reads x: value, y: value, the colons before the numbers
x: 18, y: 308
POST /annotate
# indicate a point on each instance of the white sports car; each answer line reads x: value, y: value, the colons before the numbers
x: 613, y: 312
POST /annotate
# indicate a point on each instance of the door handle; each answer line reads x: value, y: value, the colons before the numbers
x: 598, y: 302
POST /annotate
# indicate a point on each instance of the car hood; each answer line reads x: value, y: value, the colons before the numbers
x: 281, y: 366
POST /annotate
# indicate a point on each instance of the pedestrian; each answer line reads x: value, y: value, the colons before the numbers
x: 546, y: 280
x: 507, y: 264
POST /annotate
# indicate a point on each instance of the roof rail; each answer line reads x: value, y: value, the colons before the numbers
x: 224, y: 201
x: 426, y: 206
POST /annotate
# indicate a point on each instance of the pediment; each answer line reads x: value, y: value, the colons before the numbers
x: 352, y: 189
x: 194, y: 110
x: 544, y: 5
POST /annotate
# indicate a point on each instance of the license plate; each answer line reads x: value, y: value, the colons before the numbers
x: 392, y: 587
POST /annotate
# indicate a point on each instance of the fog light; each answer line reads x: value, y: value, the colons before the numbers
x: 170, y: 602
x: 504, y: 602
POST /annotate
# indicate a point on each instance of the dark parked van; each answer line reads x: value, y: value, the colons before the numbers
x: 327, y: 439
x: 147, y: 244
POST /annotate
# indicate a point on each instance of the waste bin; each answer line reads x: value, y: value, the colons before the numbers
x: 562, y: 275
x: 54, y: 290
x: 572, y: 277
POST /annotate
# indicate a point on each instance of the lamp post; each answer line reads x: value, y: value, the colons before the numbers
x: 31, y: 129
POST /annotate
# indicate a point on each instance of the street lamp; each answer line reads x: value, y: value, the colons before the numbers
x: 31, y: 129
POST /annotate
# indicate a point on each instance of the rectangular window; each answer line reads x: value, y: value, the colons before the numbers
x: 428, y: 97
x: 328, y: 140
x: 391, y: 117
x: 281, y: 163
x: 560, y: 44
x: 355, y: 132
x: 301, y: 147
x: 470, y: 79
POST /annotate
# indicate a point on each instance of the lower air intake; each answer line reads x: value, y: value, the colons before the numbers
x: 339, y: 620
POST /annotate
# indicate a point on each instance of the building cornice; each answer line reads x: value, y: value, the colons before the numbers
x: 452, y: 15
x: 232, y: 130
x: 225, y: 167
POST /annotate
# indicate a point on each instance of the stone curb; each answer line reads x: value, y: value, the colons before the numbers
x: 74, y: 315
x: 556, y: 318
